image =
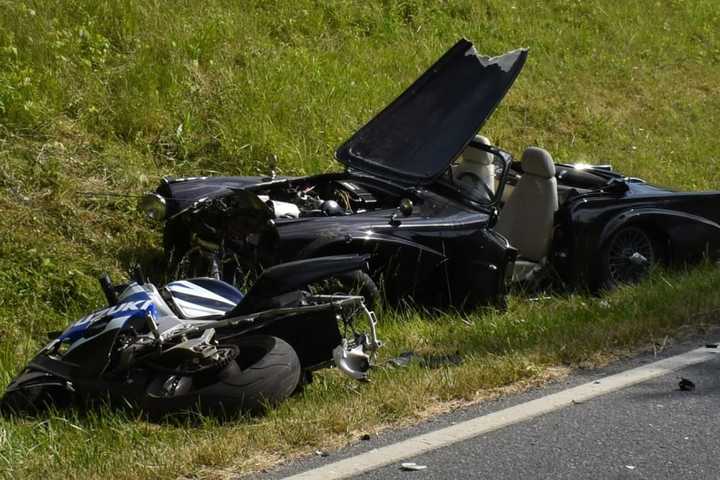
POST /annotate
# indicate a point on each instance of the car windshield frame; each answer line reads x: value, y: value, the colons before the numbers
x: 448, y: 181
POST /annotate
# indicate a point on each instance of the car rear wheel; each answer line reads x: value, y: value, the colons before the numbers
x: 628, y: 257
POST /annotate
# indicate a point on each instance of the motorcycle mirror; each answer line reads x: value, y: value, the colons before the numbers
x: 138, y: 275
x: 108, y: 289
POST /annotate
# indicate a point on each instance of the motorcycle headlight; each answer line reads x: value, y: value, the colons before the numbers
x: 153, y: 206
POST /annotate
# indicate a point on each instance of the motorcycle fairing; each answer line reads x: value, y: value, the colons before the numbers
x: 203, y: 297
x: 84, y: 363
x: 139, y: 304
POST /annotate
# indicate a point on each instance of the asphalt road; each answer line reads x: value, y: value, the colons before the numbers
x: 650, y: 430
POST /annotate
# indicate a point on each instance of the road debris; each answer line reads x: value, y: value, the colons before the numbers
x: 686, y: 385
x: 412, y: 466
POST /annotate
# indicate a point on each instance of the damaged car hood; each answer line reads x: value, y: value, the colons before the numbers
x: 415, y: 138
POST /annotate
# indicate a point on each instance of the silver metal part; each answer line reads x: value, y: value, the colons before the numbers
x: 153, y: 326
x: 354, y: 357
x: 199, y: 347
x: 153, y: 206
x: 638, y: 259
x: 353, y: 362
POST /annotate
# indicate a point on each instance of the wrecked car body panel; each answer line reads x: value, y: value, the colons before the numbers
x: 422, y: 194
x: 416, y: 137
x: 439, y: 251
x: 684, y: 226
x: 412, y: 256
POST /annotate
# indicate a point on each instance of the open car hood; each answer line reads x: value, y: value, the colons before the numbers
x: 415, y: 138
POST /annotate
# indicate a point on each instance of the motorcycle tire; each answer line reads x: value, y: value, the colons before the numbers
x: 35, y: 399
x: 266, y: 372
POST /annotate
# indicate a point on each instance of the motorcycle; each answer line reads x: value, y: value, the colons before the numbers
x: 201, y: 344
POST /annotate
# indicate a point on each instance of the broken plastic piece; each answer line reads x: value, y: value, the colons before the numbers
x: 412, y: 466
x: 686, y: 385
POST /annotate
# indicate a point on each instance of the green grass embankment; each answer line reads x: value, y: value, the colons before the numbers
x: 100, y: 96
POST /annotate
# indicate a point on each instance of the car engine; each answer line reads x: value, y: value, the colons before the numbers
x: 335, y: 198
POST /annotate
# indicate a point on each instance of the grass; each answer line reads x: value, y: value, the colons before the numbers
x: 99, y: 96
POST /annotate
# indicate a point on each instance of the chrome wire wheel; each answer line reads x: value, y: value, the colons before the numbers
x: 630, y: 256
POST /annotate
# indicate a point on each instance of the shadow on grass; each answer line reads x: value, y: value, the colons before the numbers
x: 96, y: 409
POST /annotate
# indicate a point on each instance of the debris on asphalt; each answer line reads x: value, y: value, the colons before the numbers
x: 630, y: 467
x: 686, y: 385
x: 321, y: 453
x: 412, y: 466
x: 711, y: 345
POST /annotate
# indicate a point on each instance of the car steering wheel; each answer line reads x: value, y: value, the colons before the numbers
x: 476, y: 180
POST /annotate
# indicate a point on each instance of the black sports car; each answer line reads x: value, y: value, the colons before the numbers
x: 447, y: 217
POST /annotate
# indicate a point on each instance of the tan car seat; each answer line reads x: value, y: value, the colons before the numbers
x: 526, y: 220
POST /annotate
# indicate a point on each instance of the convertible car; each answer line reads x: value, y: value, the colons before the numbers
x: 447, y: 217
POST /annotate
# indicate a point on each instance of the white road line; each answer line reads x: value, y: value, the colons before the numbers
x: 477, y: 426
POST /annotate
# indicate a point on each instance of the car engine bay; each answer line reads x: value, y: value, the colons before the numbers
x: 325, y: 199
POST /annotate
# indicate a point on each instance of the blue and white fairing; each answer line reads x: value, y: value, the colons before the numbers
x: 117, y: 315
x: 203, y: 297
x: 196, y: 299
x: 137, y: 301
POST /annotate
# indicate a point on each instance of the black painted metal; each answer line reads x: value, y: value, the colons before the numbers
x: 445, y: 251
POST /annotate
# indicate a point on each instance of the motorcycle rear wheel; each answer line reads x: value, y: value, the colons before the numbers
x: 265, y: 373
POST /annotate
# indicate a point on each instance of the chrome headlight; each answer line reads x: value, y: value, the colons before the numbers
x: 153, y: 206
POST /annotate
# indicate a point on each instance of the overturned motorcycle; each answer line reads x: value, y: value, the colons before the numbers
x: 202, y: 344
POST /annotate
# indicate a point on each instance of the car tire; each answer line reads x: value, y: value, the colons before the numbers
x: 628, y: 257
x: 362, y: 283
